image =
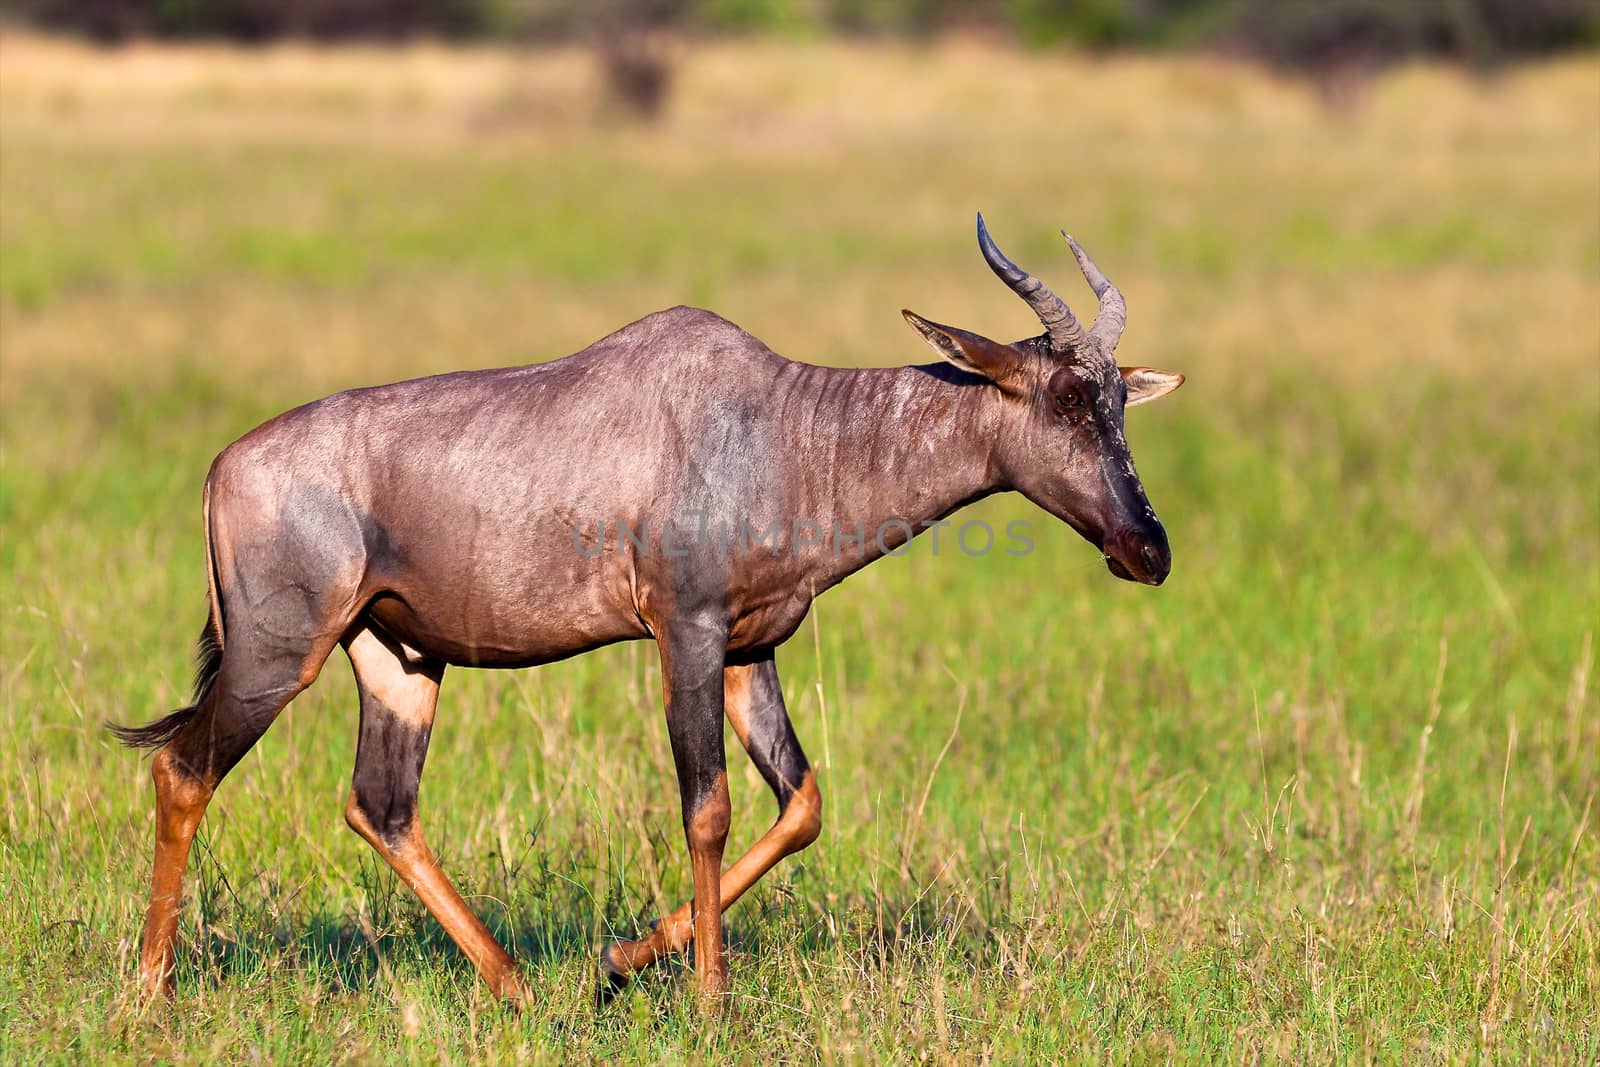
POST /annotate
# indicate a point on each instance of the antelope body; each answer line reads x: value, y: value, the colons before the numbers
x: 509, y: 518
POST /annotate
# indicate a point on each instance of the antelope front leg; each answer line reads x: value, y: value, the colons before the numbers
x: 692, y: 653
x: 753, y: 702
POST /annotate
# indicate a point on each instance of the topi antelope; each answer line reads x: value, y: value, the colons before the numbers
x: 466, y: 519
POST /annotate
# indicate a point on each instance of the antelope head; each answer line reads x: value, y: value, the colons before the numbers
x: 1060, y: 441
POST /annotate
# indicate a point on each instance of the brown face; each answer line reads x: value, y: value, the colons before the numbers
x: 1060, y: 441
x: 1080, y: 468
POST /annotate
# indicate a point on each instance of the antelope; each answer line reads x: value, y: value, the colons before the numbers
x: 452, y: 521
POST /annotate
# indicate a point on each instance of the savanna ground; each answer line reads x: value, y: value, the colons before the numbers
x: 1327, y: 795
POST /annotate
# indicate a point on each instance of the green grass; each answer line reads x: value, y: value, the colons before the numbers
x: 1328, y: 795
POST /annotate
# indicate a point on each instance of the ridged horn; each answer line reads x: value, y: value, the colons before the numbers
x: 1113, y: 315
x: 1059, y: 322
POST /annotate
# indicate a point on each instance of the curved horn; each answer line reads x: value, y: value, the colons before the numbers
x: 1113, y: 315
x: 1059, y: 322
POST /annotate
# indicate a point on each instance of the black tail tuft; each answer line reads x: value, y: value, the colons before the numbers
x: 208, y: 661
x: 154, y: 734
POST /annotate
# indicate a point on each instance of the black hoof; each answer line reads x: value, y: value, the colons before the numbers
x: 613, y: 979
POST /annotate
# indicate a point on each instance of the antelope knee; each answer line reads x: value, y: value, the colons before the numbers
x: 372, y: 826
x: 356, y: 819
x: 802, y: 816
x: 708, y: 826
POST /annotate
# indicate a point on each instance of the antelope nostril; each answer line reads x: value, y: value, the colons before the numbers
x: 1153, y: 563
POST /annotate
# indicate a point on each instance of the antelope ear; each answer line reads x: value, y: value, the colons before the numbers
x: 1147, y: 383
x: 969, y: 351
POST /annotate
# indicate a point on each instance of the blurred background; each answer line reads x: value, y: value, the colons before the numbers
x: 1328, y: 793
x: 1338, y: 44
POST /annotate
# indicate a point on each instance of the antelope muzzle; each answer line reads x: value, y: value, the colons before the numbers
x: 1139, y: 553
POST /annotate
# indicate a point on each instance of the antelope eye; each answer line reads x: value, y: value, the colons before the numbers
x: 1069, y: 398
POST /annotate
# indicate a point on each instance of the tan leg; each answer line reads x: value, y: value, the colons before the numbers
x: 796, y: 828
x: 415, y: 864
x: 252, y: 687
x: 181, y: 801
x: 708, y: 836
x: 398, y: 699
x: 753, y: 702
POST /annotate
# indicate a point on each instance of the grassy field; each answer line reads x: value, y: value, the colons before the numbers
x: 1329, y: 795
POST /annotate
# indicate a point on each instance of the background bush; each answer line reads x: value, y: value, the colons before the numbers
x: 1286, y: 30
